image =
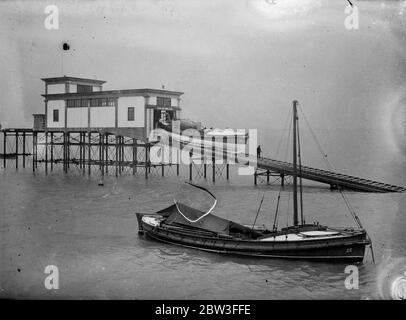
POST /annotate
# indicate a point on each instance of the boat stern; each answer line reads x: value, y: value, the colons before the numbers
x: 139, y: 216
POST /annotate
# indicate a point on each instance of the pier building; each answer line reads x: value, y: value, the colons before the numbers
x: 81, y: 104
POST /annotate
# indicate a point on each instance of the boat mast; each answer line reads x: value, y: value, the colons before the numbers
x: 295, y: 211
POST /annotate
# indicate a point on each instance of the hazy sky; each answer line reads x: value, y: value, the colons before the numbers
x: 239, y: 62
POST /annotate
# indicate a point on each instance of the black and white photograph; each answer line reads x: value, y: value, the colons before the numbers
x: 203, y: 150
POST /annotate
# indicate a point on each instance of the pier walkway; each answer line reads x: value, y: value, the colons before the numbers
x: 283, y: 169
x: 335, y: 180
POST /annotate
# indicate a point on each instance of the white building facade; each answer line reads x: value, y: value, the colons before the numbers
x: 82, y: 104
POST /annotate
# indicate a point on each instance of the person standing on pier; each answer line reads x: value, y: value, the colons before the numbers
x: 259, y: 150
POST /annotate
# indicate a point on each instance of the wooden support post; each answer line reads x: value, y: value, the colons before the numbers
x: 79, y: 159
x: 122, y: 155
x: 89, y: 152
x: 267, y: 176
x: 236, y: 148
x: 35, y: 157
x: 125, y: 147
x: 16, y: 136
x: 134, y: 155
x: 119, y: 155
x: 177, y: 162
x: 162, y: 164
x: 80, y: 150
x: 83, y: 150
x: 64, y: 151
x: 225, y: 149
x: 67, y: 151
x: 225, y: 157
x: 107, y: 153
x: 282, y: 180
x: 100, y: 151
x: 46, y: 152
x: 213, y: 158
x: 146, y: 160
x: 117, y: 138
x: 190, y: 169
x: 202, y: 153
x: 34, y: 151
x: 4, y: 148
x: 101, y: 138
x: 170, y: 150
x: 52, y: 151
x: 24, y: 149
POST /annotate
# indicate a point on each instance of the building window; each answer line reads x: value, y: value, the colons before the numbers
x: 112, y: 102
x: 85, y: 102
x: 77, y: 103
x: 163, y: 102
x: 84, y: 88
x: 56, y: 115
x: 131, y: 114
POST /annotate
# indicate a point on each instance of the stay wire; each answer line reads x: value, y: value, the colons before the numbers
x: 275, y: 222
x: 331, y: 168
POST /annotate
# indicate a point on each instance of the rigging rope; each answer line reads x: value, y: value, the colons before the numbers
x: 288, y: 141
x: 275, y: 222
x: 284, y: 127
x: 331, y: 168
x: 275, y: 226
x: 259, y: 209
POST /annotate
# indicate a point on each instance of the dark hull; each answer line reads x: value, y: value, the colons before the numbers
x: 350, y: 248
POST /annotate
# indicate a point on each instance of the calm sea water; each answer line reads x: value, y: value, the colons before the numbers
x: 90, y: 233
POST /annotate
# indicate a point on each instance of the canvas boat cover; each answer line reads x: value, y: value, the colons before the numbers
x: 209, y: 222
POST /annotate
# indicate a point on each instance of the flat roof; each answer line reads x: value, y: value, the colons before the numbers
x: 112, y: 93
x: 64, y: 79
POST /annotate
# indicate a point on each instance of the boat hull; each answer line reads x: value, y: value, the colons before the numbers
x: 350, y: 248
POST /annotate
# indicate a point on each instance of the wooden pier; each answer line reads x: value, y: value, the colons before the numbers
x: 107, y: 153
x: 92, y: 152
x: 18, y: 147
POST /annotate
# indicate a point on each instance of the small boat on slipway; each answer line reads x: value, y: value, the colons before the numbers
x: 183, y: 225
